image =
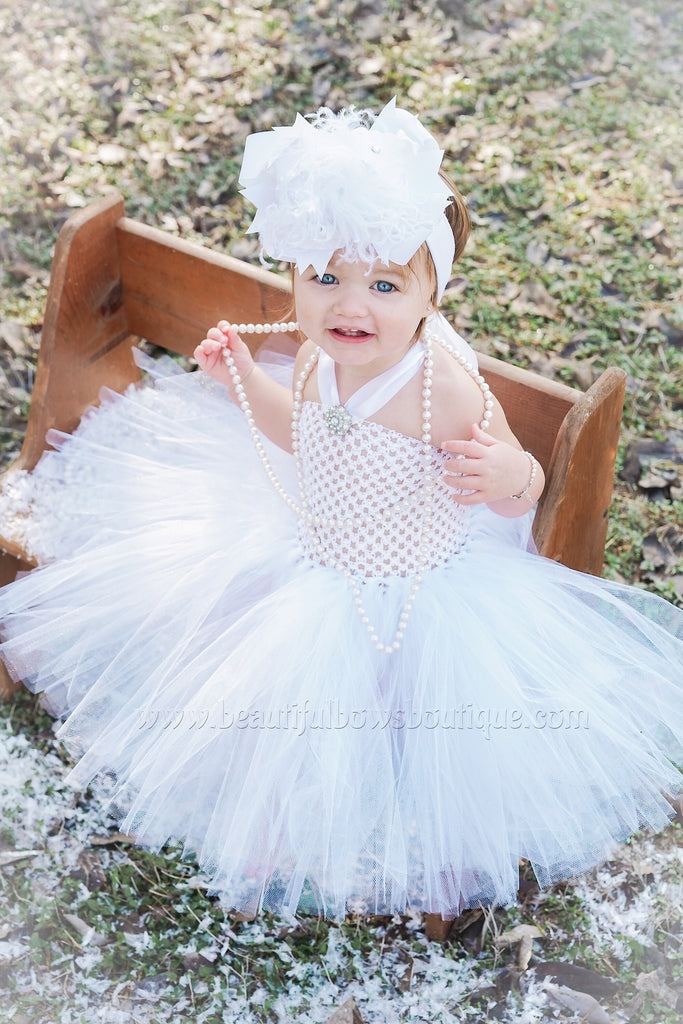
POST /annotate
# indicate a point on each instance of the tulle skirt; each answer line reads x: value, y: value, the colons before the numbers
x: 226, y: 686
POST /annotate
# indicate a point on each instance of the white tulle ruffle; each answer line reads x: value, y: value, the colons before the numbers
x: 228, y: 687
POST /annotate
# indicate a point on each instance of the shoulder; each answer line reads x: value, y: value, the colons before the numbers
x: 457, y: 399
x: 306, y: 349
x: 458, y: 402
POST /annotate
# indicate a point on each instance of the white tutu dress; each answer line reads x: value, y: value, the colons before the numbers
x: 205, y: 648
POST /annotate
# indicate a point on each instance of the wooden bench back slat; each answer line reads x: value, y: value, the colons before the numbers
x: 174, y: 291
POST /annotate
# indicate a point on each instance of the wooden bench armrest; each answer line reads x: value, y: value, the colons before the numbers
x: 571, y: 524
x: 578, y: 456
x: 84, y: 327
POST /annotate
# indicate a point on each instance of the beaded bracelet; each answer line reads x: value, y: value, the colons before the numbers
x: 525, y: 492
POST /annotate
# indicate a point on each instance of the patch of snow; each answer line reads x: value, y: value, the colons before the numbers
x: 438, y: 988
x: 617, y: 912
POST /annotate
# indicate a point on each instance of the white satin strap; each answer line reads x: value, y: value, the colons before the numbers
x: 371, y: 397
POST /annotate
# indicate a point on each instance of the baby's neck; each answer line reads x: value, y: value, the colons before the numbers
x: 350, y: 377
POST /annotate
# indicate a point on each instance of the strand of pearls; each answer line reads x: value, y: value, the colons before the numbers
x: 285, y: 327
x: 243, y: 401
x: 309, y: 520
x: 473, y: 373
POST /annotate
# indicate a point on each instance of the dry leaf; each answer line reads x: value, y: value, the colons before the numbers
x: 654, y: 984
x: 524, y: 952
x: 514, y: 935
x: 508, y: 294
x: 12, y: 856
x: 588, y: 82
x: 21, y: 270
x: 88, y: 935
x: 371, y: 65
x: 580, y: 979
x: 13, y: 335
x: 537, y: 253
x: 90, y: 871
x: 405, y: 968
x: 110, y: 154
x: 524, y: 934
x: 664, y: 245
x: 535, y: 298
x: 651, y: 228
x: 543, y: 100
x: 348, y: 1013
x: 109, y: 840
x: 588, y: 1008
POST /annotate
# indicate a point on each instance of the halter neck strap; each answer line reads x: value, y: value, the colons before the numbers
x: 371, y: 397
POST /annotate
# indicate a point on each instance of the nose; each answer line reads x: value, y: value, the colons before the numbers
x: 351, y: 300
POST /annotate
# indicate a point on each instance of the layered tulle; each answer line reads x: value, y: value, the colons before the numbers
x: 229, y: 689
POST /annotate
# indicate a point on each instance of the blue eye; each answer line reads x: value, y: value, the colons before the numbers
x: 385, y: 287
x: 327, y: 279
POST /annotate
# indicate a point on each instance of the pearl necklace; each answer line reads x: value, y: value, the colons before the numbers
x: 303, y: 511
x: 285, y: 327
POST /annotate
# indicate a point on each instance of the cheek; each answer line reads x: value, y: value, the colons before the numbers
x: 300, y: 304
x: 304, y: 310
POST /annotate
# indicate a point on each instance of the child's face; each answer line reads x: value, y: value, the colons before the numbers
x: 360, y: 315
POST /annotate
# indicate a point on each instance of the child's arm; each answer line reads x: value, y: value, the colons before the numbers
x: 492, y: 467
x: 270, y: 402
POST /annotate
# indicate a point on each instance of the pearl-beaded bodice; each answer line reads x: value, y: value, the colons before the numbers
x: 378, y: 507
x: 365, y: 502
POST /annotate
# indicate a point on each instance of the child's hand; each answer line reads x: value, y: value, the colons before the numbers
x: 209, y: 354
x: 487, y: 469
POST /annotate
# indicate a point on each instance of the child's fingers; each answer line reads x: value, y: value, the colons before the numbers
x: 463, y: 449
x: 482, y: 436
x: 469, y: 497
x: 460, y: 467
x: 464, y: 482
x: 229, y: 333
x: 207, y: 351
x: 228, y: 337
x: 474, y: 447
x: 217, y: 335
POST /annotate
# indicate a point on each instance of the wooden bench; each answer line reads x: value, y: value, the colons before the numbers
x: 115, y: 280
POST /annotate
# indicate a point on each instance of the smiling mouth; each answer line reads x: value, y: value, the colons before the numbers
x: 347, y: 334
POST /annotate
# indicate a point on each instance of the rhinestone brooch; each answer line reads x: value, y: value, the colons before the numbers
x: 339, y: 420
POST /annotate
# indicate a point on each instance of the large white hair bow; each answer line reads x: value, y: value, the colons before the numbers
x: 368, y: 186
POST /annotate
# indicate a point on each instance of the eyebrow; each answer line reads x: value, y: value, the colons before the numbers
x: 380, y: 274
x: 383, y: 272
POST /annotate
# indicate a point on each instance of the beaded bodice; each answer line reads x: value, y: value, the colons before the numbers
x: 372, y: 501
x: 364, y: 492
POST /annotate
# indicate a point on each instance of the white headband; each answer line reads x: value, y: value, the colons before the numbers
x: 368, y: 186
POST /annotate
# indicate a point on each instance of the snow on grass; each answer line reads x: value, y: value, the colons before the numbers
x: 618, y: 911
x: 267, y: 969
